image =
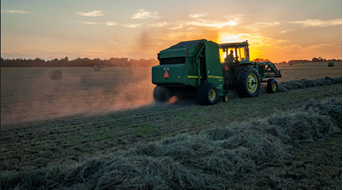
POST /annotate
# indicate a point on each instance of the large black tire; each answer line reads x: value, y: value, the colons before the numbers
x: 161, y: 94
x: 248, y: 82
x: 207, y: 94
x: 272, y: 86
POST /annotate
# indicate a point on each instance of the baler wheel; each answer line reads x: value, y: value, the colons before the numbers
x: 207, y: 94
x: 272, y: 86
x: 161, y: 94
x: 248, y: 82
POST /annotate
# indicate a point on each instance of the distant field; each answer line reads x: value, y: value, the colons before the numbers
x: 309, y: 71
x: 29, y: 94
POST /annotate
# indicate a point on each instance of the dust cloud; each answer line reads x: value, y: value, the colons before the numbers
x: 81, y: 91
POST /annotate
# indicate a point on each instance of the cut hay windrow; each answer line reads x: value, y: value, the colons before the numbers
x: 304, y: 83
x: 219, y: 158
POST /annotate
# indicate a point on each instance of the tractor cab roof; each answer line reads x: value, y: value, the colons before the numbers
x: 234, y: 44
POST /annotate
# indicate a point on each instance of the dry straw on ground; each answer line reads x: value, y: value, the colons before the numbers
x: 217, y: 158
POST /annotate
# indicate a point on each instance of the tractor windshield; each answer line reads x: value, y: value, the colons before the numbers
x: 229, y: 54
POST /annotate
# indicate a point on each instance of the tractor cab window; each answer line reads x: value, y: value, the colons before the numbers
x: 243, y: 54
x: 227, y: 55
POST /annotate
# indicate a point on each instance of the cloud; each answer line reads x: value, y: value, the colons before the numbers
x: 141, y: 14
x: 110, y: 23
x: 176, y: 27
x: 317, y: 23
x: 93, y: 13
x: 159, y: 24
x: 19, y: 12
x: 113, y: 43
x: 198, y: 15
x: 131, y: 25
x: 231, y: 20
x: 213, y: 24
x: 266, y: 24
x: 85, y: 22
x: 258, y: 25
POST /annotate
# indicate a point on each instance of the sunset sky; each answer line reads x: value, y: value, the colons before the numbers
x: 276, y: 30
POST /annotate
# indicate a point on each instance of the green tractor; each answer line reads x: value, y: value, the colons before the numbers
x: 207, y: 70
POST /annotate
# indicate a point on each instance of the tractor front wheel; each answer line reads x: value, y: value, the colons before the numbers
x: 207, y: 94
x: 248, y: 82
x: 225, y: 97
x: 161, y: 94
x: 272, y: 86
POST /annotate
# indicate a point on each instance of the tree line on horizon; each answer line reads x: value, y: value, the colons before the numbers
x: 78, y: 62
x: 112, y: 62
x: 315, y: 59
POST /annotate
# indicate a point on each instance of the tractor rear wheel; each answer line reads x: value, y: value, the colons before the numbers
x: 161, y: 94
x: 248, y: 82
x: 207, y: 94
x: 272, y: 86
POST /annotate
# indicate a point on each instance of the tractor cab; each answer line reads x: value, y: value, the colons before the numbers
x: 237, y: 52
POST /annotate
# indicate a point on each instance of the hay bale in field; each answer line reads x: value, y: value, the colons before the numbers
x: 330, y: 64
x: 55, y: 74
x: 96, y: 68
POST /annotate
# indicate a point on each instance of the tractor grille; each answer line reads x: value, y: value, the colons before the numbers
x: 174, y: 60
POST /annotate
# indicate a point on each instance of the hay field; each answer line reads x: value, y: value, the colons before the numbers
x: 137, y: 144
x: 27, y: 94
x: 309, y: 71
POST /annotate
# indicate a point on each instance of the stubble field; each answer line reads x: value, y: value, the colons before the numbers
x: 88, y: 114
